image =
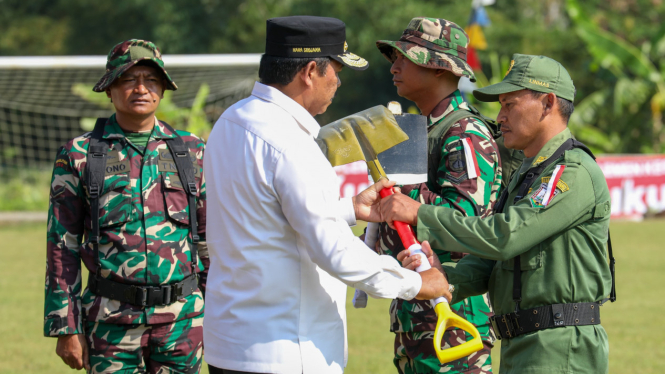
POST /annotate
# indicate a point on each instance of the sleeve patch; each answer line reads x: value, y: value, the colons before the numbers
x: 61, y: 162
x: 549, y: 188
x: 560, y: 185
x: 456, y: 161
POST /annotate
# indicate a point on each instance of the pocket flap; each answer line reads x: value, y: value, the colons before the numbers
x: 172, y: 181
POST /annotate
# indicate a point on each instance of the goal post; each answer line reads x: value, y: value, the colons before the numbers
x: 44, y: 101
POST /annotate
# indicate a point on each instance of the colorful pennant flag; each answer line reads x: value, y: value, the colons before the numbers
x: 551, y: 186
x: 470, y: 155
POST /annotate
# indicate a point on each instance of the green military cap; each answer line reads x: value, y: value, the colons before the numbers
x: 433, y: 43
x: 127, y: 54
x: 538, y: 73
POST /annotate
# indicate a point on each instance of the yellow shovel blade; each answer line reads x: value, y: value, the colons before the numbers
x: 360, y: 136
x: 447, y: 319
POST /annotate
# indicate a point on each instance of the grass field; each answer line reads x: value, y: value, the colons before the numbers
x: 637, y: 335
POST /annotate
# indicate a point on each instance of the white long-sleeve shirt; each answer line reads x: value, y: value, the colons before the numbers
x: 280, y: 243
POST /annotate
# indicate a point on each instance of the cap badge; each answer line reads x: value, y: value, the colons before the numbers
x: 512, y: 63
x: 346, y: 46
x: 352, y: 59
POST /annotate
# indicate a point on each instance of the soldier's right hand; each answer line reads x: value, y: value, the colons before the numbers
x: 73, y: 350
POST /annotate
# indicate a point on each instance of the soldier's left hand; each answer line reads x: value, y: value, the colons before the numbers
x: 73, y: 350
x: 412, y: 262
x: 399, y: 207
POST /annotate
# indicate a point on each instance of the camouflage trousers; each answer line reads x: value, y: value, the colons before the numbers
x: 414, y: 354
x: 165, y: 348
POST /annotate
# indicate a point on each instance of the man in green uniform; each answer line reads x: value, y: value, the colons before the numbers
x: 542, y: 255
x: 128, y: 200
x: 427, y: 63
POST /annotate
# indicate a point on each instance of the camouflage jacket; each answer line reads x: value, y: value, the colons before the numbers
x: 455, y: 190
x: 144, y: 231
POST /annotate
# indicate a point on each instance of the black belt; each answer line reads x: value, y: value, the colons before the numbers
x: 143, y: 295
x: 545, y: 317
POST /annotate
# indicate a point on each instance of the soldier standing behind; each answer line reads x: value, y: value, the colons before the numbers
x: 464, y: 174
x: 135, y: 215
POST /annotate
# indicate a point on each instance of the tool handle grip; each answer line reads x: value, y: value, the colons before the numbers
x: 446, y: 317
x: 417, y: 250
x: 403, y: 229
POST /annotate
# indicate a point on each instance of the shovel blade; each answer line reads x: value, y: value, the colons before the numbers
x: 406, y: 163
x: 360, y: 136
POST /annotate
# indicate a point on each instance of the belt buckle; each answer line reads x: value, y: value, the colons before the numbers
x: 166, y: 294
x: 515, y: 324
x: 142, y: 293
x: 176, y: 292
x: 495, y: 327
x: 511, y: 328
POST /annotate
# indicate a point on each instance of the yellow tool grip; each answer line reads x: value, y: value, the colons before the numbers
x: 446, y: 319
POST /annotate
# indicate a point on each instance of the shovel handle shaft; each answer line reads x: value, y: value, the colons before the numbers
x: 446, y: 318
x: 403, y: 229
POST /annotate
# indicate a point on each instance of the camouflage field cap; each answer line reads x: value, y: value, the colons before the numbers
x: 127, y: 54
x: 538, y: 73
x: 432, y: 43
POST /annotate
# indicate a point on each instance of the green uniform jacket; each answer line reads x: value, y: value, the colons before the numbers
x: 563, y: 260
x: 144, y: 231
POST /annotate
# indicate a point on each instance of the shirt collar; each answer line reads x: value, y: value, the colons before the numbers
x: 551, y: 146
x: 300, y: 114
x: 161, y: 132
x: 451, y: 103
x: 112, y: 130
x: 546, y: 152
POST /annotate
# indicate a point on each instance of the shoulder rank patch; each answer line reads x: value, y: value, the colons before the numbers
x: 549, y: 188
x: 539, y: 160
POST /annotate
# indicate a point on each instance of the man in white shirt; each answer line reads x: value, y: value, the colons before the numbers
x: 281, y: 250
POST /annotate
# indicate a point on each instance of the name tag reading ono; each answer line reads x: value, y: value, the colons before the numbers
x: 118, y: 167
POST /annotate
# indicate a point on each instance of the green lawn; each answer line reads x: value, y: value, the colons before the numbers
x: 637, y: 336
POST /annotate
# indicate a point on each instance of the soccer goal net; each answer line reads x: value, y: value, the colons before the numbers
x: 44, y: 101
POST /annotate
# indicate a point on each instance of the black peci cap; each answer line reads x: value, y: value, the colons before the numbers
x: 309, y: 36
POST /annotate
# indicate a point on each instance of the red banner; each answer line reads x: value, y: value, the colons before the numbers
x: 352, y: 178
x: 636, y: 183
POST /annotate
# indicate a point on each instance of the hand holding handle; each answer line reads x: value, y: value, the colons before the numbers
x: 446, y: 317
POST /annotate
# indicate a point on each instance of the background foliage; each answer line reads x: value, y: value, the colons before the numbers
x: 612, y: 48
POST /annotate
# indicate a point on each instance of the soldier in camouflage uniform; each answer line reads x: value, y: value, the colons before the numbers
x: 145, y: 241
x: 428, y: 61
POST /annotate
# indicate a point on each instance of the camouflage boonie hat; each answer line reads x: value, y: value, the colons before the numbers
x: 432, y: 43
x: 127, y: 54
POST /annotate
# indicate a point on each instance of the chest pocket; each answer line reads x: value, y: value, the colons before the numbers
x: 529, y: 260
x: 175, y: 199
x: 115, y: 202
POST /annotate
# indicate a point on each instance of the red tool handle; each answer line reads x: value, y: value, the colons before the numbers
x: 403, y: 229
